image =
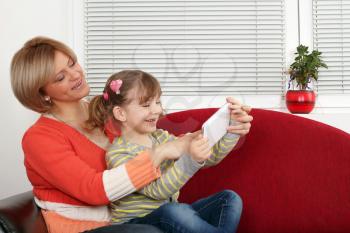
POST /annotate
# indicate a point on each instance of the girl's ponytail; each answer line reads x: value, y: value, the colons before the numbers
x: 98, y: 113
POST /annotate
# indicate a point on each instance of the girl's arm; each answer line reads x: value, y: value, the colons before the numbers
x: 238, y: 114
x: 173, y: 178
x: 222, y: 148
x: 174, y: 173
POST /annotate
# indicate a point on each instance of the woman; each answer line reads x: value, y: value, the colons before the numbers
x: 65, y: 161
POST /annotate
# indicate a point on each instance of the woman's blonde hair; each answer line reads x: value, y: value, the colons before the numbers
x: 31, y: 68
x: 101, y: 109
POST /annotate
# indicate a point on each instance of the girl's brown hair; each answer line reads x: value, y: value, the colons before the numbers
x: 101, y: 110
x: 31, y: 68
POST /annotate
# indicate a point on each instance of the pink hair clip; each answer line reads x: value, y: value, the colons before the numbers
x: 115, y: 86
x: 105, y: 96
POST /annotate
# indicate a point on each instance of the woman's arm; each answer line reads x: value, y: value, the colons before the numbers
x: 174, y: 173
x: 50, y: 156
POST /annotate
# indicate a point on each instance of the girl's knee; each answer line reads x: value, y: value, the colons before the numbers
x: 232, y: 197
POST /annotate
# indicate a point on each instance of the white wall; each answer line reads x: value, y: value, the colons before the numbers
x: 19, y: 21
x: 23, y: 19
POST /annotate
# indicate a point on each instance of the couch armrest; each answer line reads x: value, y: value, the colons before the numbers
x: 19, y: 214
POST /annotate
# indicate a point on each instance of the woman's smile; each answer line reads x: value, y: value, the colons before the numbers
x: 78, y: 84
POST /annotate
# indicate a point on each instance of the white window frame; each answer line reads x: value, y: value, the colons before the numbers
x: 302, y: 9
x: 326, y: 103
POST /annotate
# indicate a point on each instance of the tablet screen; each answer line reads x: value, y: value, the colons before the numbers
x: 216, y: 126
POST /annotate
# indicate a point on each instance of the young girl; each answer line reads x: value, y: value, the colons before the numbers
x: 131, y: 98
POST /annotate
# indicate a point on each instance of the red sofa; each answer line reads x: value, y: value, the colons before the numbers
x: 292, y: 173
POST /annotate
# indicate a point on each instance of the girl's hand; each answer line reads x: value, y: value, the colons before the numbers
x: 169, y: 150
x: 172, y: 150
x: 199, y: 148
x: 240, y: 116
x: 183, y: 142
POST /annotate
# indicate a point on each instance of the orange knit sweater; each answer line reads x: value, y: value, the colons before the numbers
x: 66, y: 168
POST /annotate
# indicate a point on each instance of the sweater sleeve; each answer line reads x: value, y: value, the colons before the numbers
x: 174, y: 173
x: 172, y: 180
x: 50, y: 154
x: 221, y: 149
x: 137, y: 173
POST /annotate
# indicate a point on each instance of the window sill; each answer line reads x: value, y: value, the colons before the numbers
x: 337, y: 118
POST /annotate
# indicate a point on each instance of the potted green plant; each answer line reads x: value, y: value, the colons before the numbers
x: 304, y: 70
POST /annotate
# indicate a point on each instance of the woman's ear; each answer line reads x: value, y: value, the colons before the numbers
x: 119, y: 114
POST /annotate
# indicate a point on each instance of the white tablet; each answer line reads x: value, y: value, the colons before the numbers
x: 216, y: 126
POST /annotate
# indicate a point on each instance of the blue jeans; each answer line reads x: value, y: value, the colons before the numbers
x: 220, y: 212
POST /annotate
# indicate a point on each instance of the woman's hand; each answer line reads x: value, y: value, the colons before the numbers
x: 199, y: 148
x: 240, y: 116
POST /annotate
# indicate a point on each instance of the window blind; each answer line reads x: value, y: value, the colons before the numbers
x: 193, y: 47
x: 331, y: 30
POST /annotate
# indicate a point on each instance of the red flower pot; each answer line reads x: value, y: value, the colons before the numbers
x: 300, y: 101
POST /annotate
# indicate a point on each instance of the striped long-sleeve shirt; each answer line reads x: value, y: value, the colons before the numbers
x: 175, y: 173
